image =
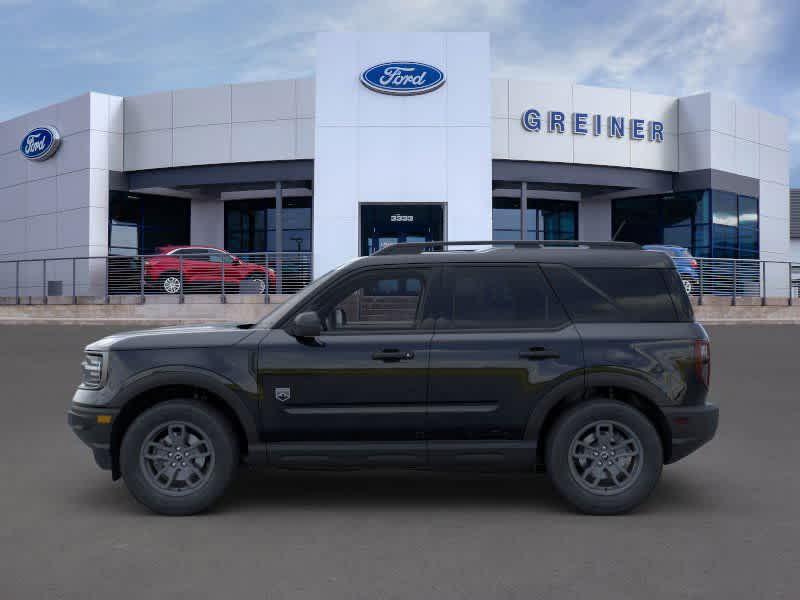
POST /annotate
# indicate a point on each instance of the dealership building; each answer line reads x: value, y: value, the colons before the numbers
x: 396, y: 137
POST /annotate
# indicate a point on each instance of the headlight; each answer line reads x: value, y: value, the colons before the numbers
x: 93, y: 370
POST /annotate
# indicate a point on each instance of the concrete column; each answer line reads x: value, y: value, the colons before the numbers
x: 207, y: 221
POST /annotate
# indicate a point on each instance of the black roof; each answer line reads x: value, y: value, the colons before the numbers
x: 575, y: 254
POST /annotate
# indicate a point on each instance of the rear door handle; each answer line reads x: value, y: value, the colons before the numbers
x: 392, y: 355
x: 538, y: 353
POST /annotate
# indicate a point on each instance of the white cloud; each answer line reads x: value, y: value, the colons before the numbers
x: 676, y: 47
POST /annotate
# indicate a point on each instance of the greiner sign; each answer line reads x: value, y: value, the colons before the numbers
x: 593, y: 124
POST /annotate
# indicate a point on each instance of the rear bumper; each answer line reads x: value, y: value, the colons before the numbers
x: 83, y: 421
x: 692, y: 426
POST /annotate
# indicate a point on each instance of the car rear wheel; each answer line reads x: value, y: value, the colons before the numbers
x: 604, y: 457
x: 259, y: 286
x: 687, y: 285
x: 178, y: 457
x: 170, y: 283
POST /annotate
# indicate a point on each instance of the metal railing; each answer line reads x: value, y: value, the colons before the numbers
x: 737, y: 279
x: 216, y: 277
x: 167, y: 275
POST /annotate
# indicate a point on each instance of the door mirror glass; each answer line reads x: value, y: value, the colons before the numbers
x: 307, y: 325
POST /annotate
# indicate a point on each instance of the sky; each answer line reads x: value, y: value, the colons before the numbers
x: 747, y: 49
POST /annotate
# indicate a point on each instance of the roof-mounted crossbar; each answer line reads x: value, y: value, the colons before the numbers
x: 420, y: 247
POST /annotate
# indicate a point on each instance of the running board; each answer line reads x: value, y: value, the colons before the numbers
x: 493, y: 454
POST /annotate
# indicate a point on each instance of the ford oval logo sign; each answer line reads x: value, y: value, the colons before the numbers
x: 40, y: 143
x: 402, y: 78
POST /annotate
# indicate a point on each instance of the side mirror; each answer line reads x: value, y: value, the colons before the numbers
x: 306, y: 325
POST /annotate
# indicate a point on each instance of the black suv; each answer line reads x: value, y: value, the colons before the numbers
x: 579, y: 358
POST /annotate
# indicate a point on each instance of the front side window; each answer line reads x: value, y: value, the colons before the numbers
x: 380, y: 300
x: 216, y: 256
x: 193, y: 254
x: 500, y: 297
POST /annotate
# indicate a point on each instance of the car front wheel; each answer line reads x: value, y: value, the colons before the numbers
x: 604, y: 457
x: 178, y: 457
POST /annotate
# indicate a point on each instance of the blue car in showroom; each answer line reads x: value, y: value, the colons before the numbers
x: 685, y: 263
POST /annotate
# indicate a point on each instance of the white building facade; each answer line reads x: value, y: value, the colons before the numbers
x: 343, y: 163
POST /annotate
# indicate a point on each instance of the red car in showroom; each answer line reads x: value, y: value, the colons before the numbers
x: 203, y: 268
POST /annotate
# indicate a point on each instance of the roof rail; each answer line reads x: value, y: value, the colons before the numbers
x: 420, y: 247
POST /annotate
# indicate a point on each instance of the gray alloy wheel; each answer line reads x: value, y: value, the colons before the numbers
x: 605, y: 457
x: 177, y: 458
x: 687, y: 285
x: 171, y: 284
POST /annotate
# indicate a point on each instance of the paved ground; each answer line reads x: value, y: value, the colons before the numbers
x: 722, y: 524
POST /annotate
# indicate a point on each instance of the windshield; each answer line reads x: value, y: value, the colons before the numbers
x: 269, y: 321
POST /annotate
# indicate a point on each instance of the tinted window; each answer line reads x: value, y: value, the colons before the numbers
x: 680, y: 299
x: 192, y: 254
x: 497, y: 297
x: 613, y: 295
x: 220, y: 257
x: 379, y: 300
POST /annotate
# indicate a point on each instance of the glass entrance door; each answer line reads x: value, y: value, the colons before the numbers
x: 386, y: 224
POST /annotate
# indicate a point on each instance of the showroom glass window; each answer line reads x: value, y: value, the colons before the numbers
x: 551, y: 220
x: 506, y: 214
x: 141, y: 223
x: 296, y: 217
x: 541, y: 219
x: 278, y: 222
x: 709, y: 223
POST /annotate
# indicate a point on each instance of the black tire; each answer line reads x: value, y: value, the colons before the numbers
x: 639, y: 476
x: 198, y: 417
x: 256, y: 285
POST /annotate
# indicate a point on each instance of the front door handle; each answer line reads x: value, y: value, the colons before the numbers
x: 392, y: 355
x: 538, y: 353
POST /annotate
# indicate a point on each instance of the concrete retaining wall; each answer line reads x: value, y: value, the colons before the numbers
x: 166, y: 310
x: 157, y: 310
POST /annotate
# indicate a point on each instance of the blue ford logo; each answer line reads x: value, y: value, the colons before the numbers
x: 402, y: 78
x: 40, y: 143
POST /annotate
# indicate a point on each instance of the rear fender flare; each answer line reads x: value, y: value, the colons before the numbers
x: 577, y: 386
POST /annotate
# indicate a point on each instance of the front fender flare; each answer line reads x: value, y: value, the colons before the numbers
x: 214, y: 383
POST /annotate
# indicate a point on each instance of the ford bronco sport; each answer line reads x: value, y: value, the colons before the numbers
x: 582, y: 359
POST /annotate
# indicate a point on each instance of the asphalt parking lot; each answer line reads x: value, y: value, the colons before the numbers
x: 725, y: 523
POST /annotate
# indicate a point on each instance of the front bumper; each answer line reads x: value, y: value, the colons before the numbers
x: 692, y: 426
x: 93, y: 427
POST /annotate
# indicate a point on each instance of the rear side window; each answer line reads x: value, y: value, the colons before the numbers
x: 500, y: 297
x: 613, y: 295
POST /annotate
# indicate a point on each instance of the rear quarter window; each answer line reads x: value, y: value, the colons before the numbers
x: 680, y: 299
x: 613, y: 295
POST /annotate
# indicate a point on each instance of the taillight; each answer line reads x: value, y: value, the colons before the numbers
x: 693, y: 263
x: 702, y: 361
